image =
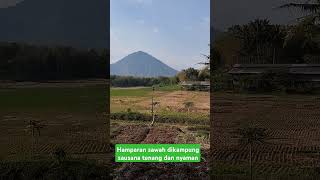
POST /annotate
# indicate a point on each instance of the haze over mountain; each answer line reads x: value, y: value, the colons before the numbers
x: 141, y: 64
x: 77, y: 23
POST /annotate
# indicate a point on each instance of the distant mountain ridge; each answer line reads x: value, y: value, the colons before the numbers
x: 141, y: 64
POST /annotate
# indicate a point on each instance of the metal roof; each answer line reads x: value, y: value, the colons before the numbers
x: 198, y: 83
x: 310, y: 69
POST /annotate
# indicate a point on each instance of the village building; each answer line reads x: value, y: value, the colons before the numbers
x: 196, y: 85
x: 299, y: 73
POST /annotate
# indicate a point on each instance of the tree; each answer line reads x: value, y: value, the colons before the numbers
x: 250, y: 136
x: 24, y: 62
x: 302, y: 39
x: 204, y: 73
x: 216, y: 59
x: 188, y: 105
x: 32, y: 127
x: 259, y: 38
x: 311, y: 8
x: 182, y: 76
x: 60, y: 155
x: 192, y: 74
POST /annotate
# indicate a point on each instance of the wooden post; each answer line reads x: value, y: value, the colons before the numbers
x: 152, y: 107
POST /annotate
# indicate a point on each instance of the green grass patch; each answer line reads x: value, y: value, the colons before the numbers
x: 168, y: 88
x: 78, y: 99
x: 141, y: 91
x: 130, y: 92
x: 161, y: 118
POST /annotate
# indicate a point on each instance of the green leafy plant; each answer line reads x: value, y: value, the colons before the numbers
x: 60, y: 155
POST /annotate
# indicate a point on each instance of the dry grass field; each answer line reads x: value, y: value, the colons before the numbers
x: 170, y: 100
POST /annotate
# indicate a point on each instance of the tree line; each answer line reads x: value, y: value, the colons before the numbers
x: 131, y: 81
x: 25, y: 62
x: 260, y: 42
x: 189, y: 74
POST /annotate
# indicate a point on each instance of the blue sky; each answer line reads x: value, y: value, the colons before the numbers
x: 174, y: 31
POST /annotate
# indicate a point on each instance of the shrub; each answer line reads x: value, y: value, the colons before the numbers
x: 60, y: 155
x: 164, y: 118
x: 221, y: 81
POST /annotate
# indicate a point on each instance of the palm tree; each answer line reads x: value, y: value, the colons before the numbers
x: 310, y: 7
x: 33, y: 126
x: 304, y: 37
x: 258, y: 38
x: 250, y: 136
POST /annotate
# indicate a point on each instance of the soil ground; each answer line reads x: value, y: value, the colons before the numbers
x: 71, y: 113
x: 292, y: 122
x: 136, y: 133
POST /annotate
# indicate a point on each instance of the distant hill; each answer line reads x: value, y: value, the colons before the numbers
x: 141, y: 64
x: 77, y: 23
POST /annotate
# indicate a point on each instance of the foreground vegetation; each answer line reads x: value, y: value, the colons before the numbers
x: 176, y: 118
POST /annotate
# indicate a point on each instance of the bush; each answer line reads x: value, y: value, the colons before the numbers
x: 130, y: 81
x: 165, y: 118
x: 221, y: 81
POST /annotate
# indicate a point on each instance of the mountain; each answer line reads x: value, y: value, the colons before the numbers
x: 77, y: 23
x: 141, y: 64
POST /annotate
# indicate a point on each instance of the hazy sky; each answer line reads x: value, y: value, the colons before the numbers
x: 230, y: 12
x: 174, y: 31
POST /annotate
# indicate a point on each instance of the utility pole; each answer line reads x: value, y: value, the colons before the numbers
x: 152, y: 106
